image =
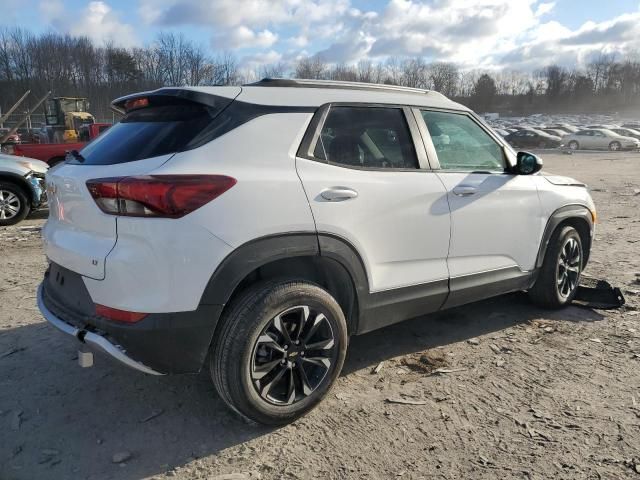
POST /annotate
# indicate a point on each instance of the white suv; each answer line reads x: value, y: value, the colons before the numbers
x: 258, y: 227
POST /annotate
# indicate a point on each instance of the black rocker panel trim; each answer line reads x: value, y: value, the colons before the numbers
x: 567, y: 212
x: 392, y: 306
x: 480, y: 286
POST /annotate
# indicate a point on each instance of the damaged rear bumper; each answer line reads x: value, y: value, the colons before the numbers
x: 91, y: 339
x: 161, y: 343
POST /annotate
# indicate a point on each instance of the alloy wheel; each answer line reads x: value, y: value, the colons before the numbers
x: 568, y: 270
x: 614, y: 146
x: 9, y: 205
x: 293, y: 355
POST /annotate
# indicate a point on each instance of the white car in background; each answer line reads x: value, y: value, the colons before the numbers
x: 254, y: 229
x: 22, y: 187
x: 600, y: 139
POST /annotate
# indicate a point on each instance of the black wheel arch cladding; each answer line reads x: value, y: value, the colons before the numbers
x: 577, y: 216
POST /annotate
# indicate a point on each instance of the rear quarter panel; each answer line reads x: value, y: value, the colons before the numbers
x: 268, y: 197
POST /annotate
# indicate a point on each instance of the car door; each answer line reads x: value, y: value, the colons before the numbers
x: 520, y: 138
x: 600, y: 140
x: 533, y: 139
x: 496, y: 217
x: 368, y: 183
x: 587, y: 139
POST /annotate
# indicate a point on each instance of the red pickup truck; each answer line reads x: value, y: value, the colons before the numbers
x: 53, y: 153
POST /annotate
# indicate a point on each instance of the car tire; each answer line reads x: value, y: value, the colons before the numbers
x: 14, y: 205
x: 559, y: 276
x: 573, y: 145
x: 261, y: 362
x: 615, y: 146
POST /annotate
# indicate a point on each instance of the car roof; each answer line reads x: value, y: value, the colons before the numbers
x: 314, y: 93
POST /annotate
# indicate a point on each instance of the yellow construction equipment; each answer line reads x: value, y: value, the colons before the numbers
x: 67, y: 115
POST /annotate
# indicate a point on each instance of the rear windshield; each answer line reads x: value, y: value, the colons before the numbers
x: 166, y: 126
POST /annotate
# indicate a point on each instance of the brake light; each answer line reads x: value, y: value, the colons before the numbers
x: 136, y: 103
x: 164, y: 196
x: 119, y: 315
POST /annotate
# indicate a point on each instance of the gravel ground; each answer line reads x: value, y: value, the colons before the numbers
x: 498, y: 389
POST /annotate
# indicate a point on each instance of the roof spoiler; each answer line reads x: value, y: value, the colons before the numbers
x: 187, y: 94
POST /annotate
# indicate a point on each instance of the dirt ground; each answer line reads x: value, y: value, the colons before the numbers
x: 524, y: 393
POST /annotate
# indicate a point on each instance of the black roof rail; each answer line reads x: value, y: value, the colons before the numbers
x: 304, y: 83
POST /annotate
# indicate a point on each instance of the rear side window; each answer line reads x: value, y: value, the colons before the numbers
x: 366, y: 137
x: 168, y: 125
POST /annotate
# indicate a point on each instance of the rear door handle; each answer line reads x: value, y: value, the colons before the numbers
x: 464, y: 190
x: 338, y: 194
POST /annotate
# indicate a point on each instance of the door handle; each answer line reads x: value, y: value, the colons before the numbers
x: 338, y: 194
x: 464, y: 190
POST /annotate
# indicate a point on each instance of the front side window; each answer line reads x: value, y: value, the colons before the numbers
x: 461, y: 144
x: 366, y: 137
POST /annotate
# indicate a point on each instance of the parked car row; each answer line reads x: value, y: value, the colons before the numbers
x: 596, y: 136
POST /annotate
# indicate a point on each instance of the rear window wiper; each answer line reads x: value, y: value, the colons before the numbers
x: 76, y: 155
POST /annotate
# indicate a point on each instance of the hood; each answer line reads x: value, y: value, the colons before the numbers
x: 559, y: 180
x: 22, y: 165
x: 36, y: 165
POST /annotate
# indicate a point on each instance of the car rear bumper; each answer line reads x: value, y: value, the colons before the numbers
x: 161, y: 343
x: 91, y: 339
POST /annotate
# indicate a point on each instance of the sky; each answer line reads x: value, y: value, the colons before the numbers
x: 487, y: 34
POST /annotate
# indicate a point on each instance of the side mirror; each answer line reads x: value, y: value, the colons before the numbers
x: 528, y: 163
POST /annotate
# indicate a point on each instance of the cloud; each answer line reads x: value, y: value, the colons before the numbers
x: 620, y: 29
x: 488, y: 34
x: 244, y: 37
x: 233, y: 13
x: 545, y: 8
x: 249, y: 23
x: 97, y: 21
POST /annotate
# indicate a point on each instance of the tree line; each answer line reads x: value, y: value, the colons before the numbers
x: 74, y: 66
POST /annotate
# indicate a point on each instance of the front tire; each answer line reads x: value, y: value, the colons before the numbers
x: 615, y: 146
x: 14, y: 205
x: 280, y: 349
x: 559, y: 277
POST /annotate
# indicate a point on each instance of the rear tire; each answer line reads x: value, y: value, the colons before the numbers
x: 14, y: 205
x: 573, y: 145
x: 559, y: 277
x: 279, y: 350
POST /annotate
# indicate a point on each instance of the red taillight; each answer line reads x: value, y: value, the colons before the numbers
x: 169, y: 196
x: 119, y: 315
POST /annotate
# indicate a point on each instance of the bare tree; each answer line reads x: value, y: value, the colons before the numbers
x: 311, y: 67
x: 414, y: 73
x: 224, y: 70
x: 444, y: 78
x: 273, y: 70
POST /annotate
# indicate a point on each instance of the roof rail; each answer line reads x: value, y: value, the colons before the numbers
x: 304, y: 83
